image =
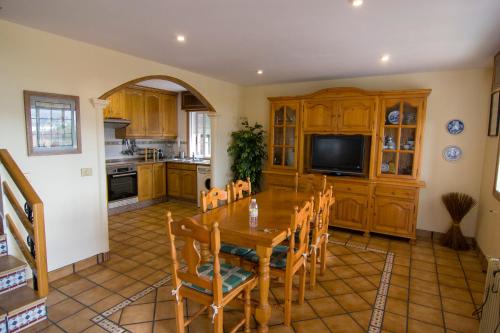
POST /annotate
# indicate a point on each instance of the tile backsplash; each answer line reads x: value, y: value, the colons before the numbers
x: 114, y: 146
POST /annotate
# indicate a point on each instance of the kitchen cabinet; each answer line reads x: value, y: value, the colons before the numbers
x: 168, y: 107
x: 145, y: 182
x: 152, y: 114
x: 181, y: 181
x: 151, y: 181
x: 190, y: 102
x: 159, y: 180
x: 116, y: 106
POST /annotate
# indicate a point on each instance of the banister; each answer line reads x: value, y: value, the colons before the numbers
x: 19, y: 178
x: 34, y: 226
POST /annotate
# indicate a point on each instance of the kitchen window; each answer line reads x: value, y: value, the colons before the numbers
x: 199, y: 134
x: 52, y: 123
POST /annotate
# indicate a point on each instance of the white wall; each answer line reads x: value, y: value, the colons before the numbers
x: 488, y: 228
x: 34, y: 60
x: 455, y: 94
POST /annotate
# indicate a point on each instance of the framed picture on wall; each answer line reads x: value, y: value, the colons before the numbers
x: 494, y: 114
x: 52, y: 123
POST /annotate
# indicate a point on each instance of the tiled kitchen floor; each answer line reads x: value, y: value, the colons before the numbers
x: 431, y: 288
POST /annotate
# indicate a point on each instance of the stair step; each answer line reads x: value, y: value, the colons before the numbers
x: 3, y: 321
x: 12, y: 273
x: 3, y: 245
x: 23, y: 308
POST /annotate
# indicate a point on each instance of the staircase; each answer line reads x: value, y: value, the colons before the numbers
x: 22, y: 301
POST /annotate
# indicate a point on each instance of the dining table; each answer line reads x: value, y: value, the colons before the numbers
x: 276, y: 207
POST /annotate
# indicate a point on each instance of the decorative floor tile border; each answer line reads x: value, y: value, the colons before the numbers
x: 378, y: 312
x: 112, y: 327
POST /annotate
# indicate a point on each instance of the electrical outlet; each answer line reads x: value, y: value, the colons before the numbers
x: 86, y: 172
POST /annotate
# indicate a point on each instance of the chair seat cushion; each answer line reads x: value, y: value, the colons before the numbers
x: 277, y: 260
x: 232, y: 277
x: 234, y: 249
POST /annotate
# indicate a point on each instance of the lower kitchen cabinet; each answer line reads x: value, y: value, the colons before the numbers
x: 151, y: 181
x: 181, y: 180
x: 145, y: 182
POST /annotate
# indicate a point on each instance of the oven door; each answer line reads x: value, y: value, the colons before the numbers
x: 122, y: 186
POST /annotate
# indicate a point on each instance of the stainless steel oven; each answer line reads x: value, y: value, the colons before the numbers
x: 122, y: 182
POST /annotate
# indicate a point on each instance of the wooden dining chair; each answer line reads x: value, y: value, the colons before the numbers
x: 211, y: 200
x: 309, y: 182
x: 287, y: 260
x: 241, y: 186
x: 211, y: 284
x: 319, y: 234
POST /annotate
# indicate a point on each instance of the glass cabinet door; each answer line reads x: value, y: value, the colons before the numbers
x: 399, y: 130
x: 284, y: 135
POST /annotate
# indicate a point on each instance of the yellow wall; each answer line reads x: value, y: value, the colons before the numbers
x: 34, y: 60
x: 455, y: 94
x: 488, y: 228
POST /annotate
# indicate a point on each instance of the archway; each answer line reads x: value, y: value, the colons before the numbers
x: 180, y: 82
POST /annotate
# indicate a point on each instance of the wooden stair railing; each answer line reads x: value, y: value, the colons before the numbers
x: 32, y: 219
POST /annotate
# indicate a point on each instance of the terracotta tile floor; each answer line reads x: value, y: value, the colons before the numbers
x: 431, y: 288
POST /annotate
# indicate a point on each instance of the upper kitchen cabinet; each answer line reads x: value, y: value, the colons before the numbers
x: 116, y: 106
x: 191, y: 103
x: 154, y: 119
x: 168, y: 107
x: 152, y: 113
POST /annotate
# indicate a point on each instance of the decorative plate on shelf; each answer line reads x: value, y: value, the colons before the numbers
x: 455, y: 126
x: 393, y: 117
x: 384, y: 167
x: 452, y: 153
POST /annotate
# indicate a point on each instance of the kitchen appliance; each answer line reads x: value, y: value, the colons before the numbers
x: 116, y: 123
x: 203, y: 179
x: 122, y: 184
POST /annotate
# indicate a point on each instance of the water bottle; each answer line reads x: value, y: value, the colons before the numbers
x: 253, y: 215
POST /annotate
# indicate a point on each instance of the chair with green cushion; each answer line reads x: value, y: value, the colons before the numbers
x: 211, y: 284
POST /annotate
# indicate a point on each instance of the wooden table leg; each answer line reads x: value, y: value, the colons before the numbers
x: 263, y: 311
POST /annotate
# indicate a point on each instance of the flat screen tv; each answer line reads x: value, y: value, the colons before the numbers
x: 341, y: 155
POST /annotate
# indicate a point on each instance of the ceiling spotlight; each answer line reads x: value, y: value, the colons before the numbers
x: 385, y: 58
x: 356, y: 3
x: 260, y: 72
x: 181, y: 38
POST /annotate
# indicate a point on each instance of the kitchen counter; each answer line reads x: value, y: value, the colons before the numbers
x: 112, y: 162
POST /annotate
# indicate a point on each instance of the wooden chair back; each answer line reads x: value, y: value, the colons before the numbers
x: 212, y: 198
x: 301, y: 219
x: 309, y: 182
x: 241, y: 186
x: 324, y: 203
x: 191, y: 233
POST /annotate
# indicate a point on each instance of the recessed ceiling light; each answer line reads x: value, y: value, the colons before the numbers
x: 385, y: 58
x: 181, y: 38
x: 260, y: 71
x: 356, y: 3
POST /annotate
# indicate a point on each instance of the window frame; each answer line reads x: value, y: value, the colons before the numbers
x: 496, y: 191
x: 33, y: 151
x: 189, y: 141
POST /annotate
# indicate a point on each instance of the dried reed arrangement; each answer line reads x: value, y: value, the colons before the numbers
x: 458, y: 205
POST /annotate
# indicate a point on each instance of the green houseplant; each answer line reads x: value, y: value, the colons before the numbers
x: 248, y: 150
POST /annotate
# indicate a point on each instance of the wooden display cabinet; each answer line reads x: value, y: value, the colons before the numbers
x: 386, y: 201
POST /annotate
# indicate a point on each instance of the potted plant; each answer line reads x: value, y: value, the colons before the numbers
x: 248, y: 151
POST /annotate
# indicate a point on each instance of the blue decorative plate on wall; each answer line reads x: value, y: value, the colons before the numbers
x: 455, y: 126
x: 452, y: 153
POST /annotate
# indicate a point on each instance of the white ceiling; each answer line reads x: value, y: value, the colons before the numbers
x: 291, y: 40
x: 162, y: 84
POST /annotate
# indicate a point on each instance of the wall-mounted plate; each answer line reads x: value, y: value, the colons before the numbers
x: 455, y: 126
x: 452, y: 153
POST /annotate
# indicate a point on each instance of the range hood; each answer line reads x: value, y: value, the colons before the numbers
x: 116, y: 123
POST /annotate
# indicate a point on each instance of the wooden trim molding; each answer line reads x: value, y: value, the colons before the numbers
x: 64, y: 271
x: 162, y: 77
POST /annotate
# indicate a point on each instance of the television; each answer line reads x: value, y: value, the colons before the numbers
x: 340, y: 155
